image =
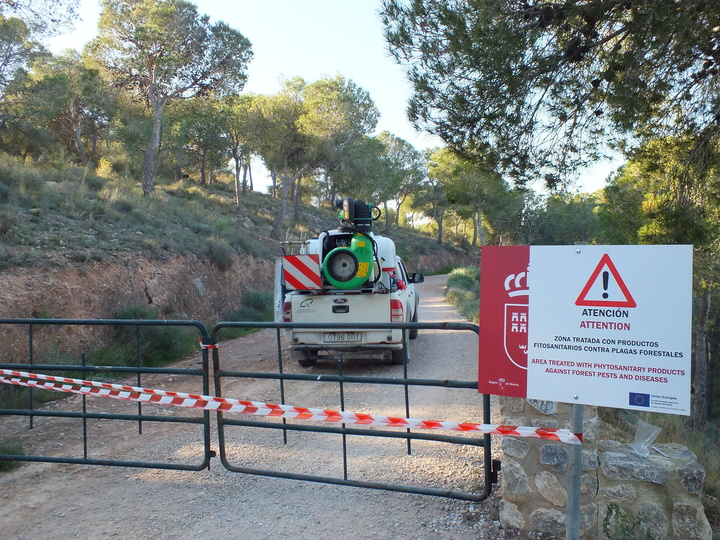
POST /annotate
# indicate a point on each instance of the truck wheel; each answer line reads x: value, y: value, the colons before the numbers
x: 397, y: 356
x: 304, y: 357
x: 413, y: 333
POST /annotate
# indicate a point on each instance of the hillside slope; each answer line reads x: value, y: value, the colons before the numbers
x: 78, y: 246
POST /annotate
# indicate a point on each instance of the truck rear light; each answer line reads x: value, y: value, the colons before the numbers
x: 287, y: 312
x: 396, y: 311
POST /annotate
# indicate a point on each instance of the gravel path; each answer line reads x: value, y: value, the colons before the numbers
x: 45, y: 500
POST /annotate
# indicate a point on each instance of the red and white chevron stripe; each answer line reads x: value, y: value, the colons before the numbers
x: 230, y: 405
x: 302, y: 272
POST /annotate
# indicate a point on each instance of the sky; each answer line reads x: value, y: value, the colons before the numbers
x: 312, y: 39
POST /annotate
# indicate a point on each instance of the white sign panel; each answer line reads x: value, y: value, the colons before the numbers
x: 611, y: 326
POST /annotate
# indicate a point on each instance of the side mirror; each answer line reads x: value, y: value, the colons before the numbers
x: 417, y: 277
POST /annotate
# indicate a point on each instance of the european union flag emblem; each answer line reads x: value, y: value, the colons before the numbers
x: 639, y: 400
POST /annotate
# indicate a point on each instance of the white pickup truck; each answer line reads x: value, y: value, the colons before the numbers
x: 347, y: 275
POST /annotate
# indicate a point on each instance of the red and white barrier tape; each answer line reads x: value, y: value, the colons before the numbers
x: 212, y: 403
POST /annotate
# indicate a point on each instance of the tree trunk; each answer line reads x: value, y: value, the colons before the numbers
x: 94, y: 144
x: 701, y: 377
x: 286, y: 181
x: 151, y: 153
x: 203, y: 164
x: 296, y: 200
x: 273, y: 185
x: 285, y: 184
x: 439, y: 217
x: 77, y: 124
x: 480, y: 231
x: 247, y: 173
x: 238, y: 186
x: 398, y: 205
x: 476, y: 221
x: 387, y: 218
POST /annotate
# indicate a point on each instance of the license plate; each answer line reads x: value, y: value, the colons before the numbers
x: 341, y: 337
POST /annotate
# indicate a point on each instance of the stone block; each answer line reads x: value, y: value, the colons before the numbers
x: 588, y: 519
x: 591, y: 430
x: 547, y: 521
x: 545, y: 423
x: 511, y: 404
x: 692, y: 477
x: 589, y: 484
x: 689, y: 522
x: 515, y: 484
x: 545, y: 407
x: 550, y: 488
x: 653, y: 521
x: 623, y: 466
x: 515, y: 447
x: 510, y: 516
x: 590, y: 460
x: 554, y: 456
x: 619, y: 493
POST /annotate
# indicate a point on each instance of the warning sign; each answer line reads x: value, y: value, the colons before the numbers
x: 302, y: 272
x: 605, y: 288
x: 595, y: 325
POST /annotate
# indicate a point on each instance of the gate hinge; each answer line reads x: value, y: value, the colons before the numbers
x: 496, y: 467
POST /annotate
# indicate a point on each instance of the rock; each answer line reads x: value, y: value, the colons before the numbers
x: 689, y: 523
x: 554, y: 456
x: 514, y: 481
x: 550, y: 488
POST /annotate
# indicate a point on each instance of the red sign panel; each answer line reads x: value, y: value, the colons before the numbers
x: 504, y: 297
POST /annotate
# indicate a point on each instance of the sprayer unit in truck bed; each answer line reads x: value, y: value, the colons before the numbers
x: 346, y: 275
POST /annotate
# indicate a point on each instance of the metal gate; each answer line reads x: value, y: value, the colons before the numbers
x: 80, y: 428
x: 309, y: 440
x: 328, y: 452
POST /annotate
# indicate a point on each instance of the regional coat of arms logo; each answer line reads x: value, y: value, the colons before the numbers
x: 515, y: 327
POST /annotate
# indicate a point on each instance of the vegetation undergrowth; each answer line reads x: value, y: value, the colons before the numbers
x: 463, y: 292
x: 10, y: 447
x: 257, y: 307
x: 54, y: 217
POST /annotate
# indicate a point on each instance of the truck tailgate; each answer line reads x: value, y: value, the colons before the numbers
x: 345, y: 308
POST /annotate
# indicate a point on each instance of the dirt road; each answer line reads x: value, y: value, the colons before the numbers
x: 46, y: 501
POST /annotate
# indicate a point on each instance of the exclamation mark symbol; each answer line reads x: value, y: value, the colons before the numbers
x: 606, y: 281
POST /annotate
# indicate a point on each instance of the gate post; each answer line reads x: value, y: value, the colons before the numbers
x: 536, y: 473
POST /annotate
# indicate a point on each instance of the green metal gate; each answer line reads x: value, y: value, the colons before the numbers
x: 77, y: 430
x: 79, y: 427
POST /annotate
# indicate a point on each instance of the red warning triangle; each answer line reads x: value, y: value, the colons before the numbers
x: 605, y: 300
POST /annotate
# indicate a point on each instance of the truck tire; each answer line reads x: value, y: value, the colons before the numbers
x: 413, y: 333
x: 304, y: 357
x: 397, y: 357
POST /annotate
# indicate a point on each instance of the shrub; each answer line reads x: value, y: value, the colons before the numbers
x: 257, y: 307
x: 466, y: 278
x: 158, y: 344
x: 220, y: 253
x: 11, y: 447
x: 463, y: 291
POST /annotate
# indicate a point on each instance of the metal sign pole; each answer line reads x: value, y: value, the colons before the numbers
x: 572, y: 520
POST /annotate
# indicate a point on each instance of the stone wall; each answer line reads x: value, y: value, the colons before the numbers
x: 655, y: 497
